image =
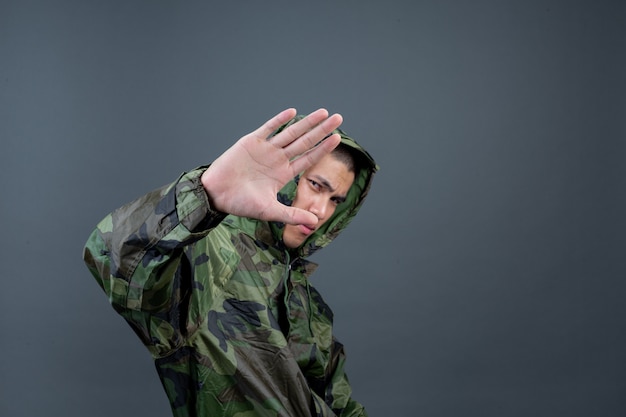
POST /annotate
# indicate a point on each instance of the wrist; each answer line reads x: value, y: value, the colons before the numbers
x: 208, y: 183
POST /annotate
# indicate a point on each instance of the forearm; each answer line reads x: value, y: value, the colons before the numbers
x: 140, y: 237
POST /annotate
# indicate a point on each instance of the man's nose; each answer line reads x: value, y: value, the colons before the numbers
x: 318, y: 207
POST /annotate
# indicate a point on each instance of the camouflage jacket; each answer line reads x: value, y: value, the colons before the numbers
x: 226, y: 311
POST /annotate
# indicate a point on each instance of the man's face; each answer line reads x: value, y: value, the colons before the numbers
x: 320, y: 189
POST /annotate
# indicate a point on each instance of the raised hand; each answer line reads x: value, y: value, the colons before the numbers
x: 244, y: 180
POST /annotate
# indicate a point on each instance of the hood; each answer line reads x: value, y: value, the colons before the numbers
x: 344, y: 213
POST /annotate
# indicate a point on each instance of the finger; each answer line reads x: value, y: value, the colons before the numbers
x: 274, y: 123
x: 291, y: 215
x: 296, y: 130
x: 313, y: 156
x: 312, y: 138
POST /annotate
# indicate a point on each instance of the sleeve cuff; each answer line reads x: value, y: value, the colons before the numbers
x: 192, y: 203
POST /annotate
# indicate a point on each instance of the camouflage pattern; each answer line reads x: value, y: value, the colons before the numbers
x: 224, y: 308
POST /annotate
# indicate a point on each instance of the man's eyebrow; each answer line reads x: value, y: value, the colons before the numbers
x: 324, y: 182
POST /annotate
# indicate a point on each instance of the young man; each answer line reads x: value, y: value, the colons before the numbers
x: 210, y: 272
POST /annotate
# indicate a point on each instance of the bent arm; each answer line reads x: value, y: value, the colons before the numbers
x: 134, y: 254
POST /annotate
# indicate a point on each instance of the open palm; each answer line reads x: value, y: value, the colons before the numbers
x: 244, y: 180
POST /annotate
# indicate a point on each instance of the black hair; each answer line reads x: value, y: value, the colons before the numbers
x: 351, y: 157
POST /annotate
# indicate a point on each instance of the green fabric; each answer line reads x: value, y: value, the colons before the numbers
x: 226, y: 311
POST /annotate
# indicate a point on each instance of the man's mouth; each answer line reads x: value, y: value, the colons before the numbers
x: 306, y: 230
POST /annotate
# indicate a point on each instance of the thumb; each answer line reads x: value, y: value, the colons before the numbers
x: 293, y: 215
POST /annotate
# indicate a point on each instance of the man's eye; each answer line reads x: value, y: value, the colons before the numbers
x: 314, y: 184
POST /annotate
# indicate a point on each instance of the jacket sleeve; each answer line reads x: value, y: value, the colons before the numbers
x: 339, y: 390
x: 135, y: 252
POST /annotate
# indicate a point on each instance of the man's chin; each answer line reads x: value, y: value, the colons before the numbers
x: 295, y: 235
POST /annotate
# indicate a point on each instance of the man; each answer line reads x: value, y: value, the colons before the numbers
x: 210, y: 272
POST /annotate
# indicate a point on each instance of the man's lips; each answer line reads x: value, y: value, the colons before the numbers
x: 305, y: 229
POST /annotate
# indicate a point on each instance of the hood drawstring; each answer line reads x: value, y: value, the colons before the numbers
x: 310, y: 305
x: 287, y: 293
x: 286, y: 285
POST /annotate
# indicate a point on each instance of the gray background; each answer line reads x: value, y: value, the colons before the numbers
x: 485, y: 275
